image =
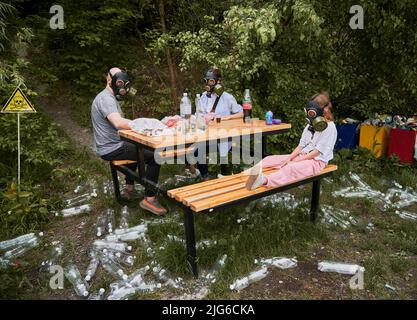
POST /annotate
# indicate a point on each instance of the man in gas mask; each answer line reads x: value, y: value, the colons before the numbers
x: 312, y: 154
x: 107, y: 119
x: 216, y: 102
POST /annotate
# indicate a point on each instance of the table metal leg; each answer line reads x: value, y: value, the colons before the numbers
x: 116, y: 184
x: 141, y: 161
x: 315, y: 200
x: 264, y: 146
x: 190, y: 240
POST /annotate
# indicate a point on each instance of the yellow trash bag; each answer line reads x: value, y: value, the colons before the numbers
x: 374, y: 138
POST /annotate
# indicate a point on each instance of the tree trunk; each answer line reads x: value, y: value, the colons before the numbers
x: 170, y: 63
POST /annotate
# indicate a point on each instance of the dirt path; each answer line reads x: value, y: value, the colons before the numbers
x: 60, y: 112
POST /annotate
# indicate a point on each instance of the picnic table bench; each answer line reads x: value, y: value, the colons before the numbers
x: 226, y: 192
x: 216, y: 194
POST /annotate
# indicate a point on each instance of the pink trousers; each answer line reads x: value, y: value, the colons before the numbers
x: 292, y: 171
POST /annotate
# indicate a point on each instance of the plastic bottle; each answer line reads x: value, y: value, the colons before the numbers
x: 73, y: 275
x: 186, y: 110
x: 112, y: 267
x: 268, y: 117
x: 124, y: 216
x: 110, y: 220
x: 97, y: 296
x: 211, y: 276
x: 92, y: 267
x: 69, y: 212
x: 247, y: 106
x: 101, y: 225
x: 4, y: 245
x: 20, y: 250
x: 343, y: 268
x: 117, y: 246
x: 141, y: 228
x: 242, y: 283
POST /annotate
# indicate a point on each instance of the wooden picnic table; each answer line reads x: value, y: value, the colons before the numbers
x: 216, y: 132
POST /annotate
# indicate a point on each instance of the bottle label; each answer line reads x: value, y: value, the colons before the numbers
x: 247, y: 105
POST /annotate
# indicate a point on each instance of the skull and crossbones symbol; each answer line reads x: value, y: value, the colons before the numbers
x: 18, y: 102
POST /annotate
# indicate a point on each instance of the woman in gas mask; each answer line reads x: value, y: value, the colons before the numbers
x: 311, y: 155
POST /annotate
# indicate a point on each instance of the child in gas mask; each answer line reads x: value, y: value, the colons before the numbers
x: 215, y: 102
x: 312, y: 154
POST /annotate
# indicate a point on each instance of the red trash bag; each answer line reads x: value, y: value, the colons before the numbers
x: 401, y: 142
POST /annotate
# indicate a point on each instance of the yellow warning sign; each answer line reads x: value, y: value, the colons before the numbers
x: 18, y: 103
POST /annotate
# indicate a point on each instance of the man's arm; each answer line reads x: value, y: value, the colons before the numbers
x: 118, y: 121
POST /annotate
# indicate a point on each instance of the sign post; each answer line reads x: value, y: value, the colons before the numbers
x: 18, y: 103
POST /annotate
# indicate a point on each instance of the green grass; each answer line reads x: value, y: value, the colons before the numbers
x: 388, y: 253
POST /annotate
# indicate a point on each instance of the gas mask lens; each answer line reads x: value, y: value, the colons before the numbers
x: 211, y: 82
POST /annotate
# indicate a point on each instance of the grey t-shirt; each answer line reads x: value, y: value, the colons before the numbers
x: 106, y: 138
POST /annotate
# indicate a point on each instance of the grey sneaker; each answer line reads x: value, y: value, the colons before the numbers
x: 153, y: 206
x: 130, y: 194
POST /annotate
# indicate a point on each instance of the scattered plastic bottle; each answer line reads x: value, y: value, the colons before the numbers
x: 112, y: 267
x: 129, y: 236
x: 118, y: 246
x: 92, y: 268
x: 4, y: 245
x: 69, y: 212
x: 110, y: 220
x: 124, y: 216
x: 101, y: 225
x: 211, y: 276
x: 21, y: 249
x: 73, y: 275
x: 244, y: 282
x: 97, y: 296
x: 343, y: 268
x: 141, y: 228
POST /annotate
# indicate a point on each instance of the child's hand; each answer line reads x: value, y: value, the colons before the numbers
x: 208, y: 117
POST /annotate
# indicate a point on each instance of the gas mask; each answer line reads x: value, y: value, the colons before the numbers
x: 120, y: 84
x: 315, y: 117
x: 212, y: 84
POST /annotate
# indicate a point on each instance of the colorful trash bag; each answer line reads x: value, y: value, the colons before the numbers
x: 402, y: 143
x: 347, y: 136
x: 374, y: 138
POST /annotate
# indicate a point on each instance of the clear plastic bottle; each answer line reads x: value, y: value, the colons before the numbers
x: 22, y: 249
x: 213, y: 273
x: 4, y: 245
x: 242, y: 283
x: 117, y: 246
x: 110, y: 220
x: 165, y: 277
x: 186, y: 110
x: 124, y: 217
x: 92, y: 267
x: 73, y: 275
x: 140, y: 228
x: 112, y: 267
x: 97, y: 296
x: 101, y: 225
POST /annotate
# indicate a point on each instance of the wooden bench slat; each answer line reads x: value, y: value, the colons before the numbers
x: 241, y: 193
x: 179, y: 193
x: 122, y: 162
x: 220, y: 183
x: 191, y: 199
